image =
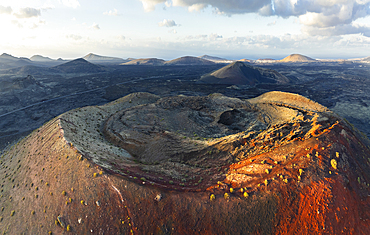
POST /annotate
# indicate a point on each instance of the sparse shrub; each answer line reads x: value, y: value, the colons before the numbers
x: 212, y: 197
x: 226, y: 196
x: 245, y: 194
x: 231, y: 190
x: 12, y: 213
x: 64, y: 193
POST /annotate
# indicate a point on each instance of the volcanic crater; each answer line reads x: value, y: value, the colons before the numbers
x: 275, y: 164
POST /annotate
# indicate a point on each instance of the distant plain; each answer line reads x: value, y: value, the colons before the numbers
x: 35, y: 92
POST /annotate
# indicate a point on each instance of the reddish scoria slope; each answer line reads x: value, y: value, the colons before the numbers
x: 276, y: 164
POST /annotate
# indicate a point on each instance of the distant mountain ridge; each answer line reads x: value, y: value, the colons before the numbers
x: 9, y: 61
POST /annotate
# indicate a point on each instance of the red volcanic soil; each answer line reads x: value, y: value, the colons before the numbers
x: 296, y: 169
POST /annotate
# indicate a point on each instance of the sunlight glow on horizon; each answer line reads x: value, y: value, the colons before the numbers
x: 170, y: 29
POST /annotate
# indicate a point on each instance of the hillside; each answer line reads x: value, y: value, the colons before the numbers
x: 297, y: 58
x: 275, y: 164
x: 148, y: 61
x: 239, y: 73
x: 79, y: 66
x: 93, y: 58
x: 189, y: 60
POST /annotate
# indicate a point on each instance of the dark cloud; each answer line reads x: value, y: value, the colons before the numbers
x: 314, y: 15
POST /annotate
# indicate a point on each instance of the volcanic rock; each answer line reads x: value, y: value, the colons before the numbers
x: 276, y: 164
x: 239, y: 73
x: 79, y: 66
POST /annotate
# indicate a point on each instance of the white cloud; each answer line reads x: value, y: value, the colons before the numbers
x: 74, y: 37
x: 214, y: 36
x: 121, y: 37
x: 338, y: 30
x: 167, y: 23
x: 27, y: 13
x: 5, y: 10
x: 197, y: 7
x: 272, y: 23
x: 94, y: 26
x: 172, y: 31
x: 17, y: 23
x: 149, y: 5
x: 70, y: 3
x: 112, y: 13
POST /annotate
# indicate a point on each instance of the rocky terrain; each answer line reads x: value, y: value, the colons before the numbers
x: 275, y: 164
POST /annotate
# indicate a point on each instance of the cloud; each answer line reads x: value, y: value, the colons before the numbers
x: 74, y: 37
x: 167, y: 23
x: 272, y: 23
x: 338, y: 30
x: 149, y: 5
x: 214, y: 36
x: 94, y: 26
x: 33, y: 24
x: 319, y: 14
x: 172, y: 31
x: 17, y: 23
x: 112, y: 13
x: 70, y: 3
x: 27, y: 13
x: 197, y: 7
x: 121, y: 37
x: 5, y: 10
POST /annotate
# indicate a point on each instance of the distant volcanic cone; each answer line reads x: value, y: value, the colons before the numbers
x: 239, y: 73
x: 297, y: 58
x: 276, y: 164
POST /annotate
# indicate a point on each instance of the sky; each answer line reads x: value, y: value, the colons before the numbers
x: 167, y: 29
